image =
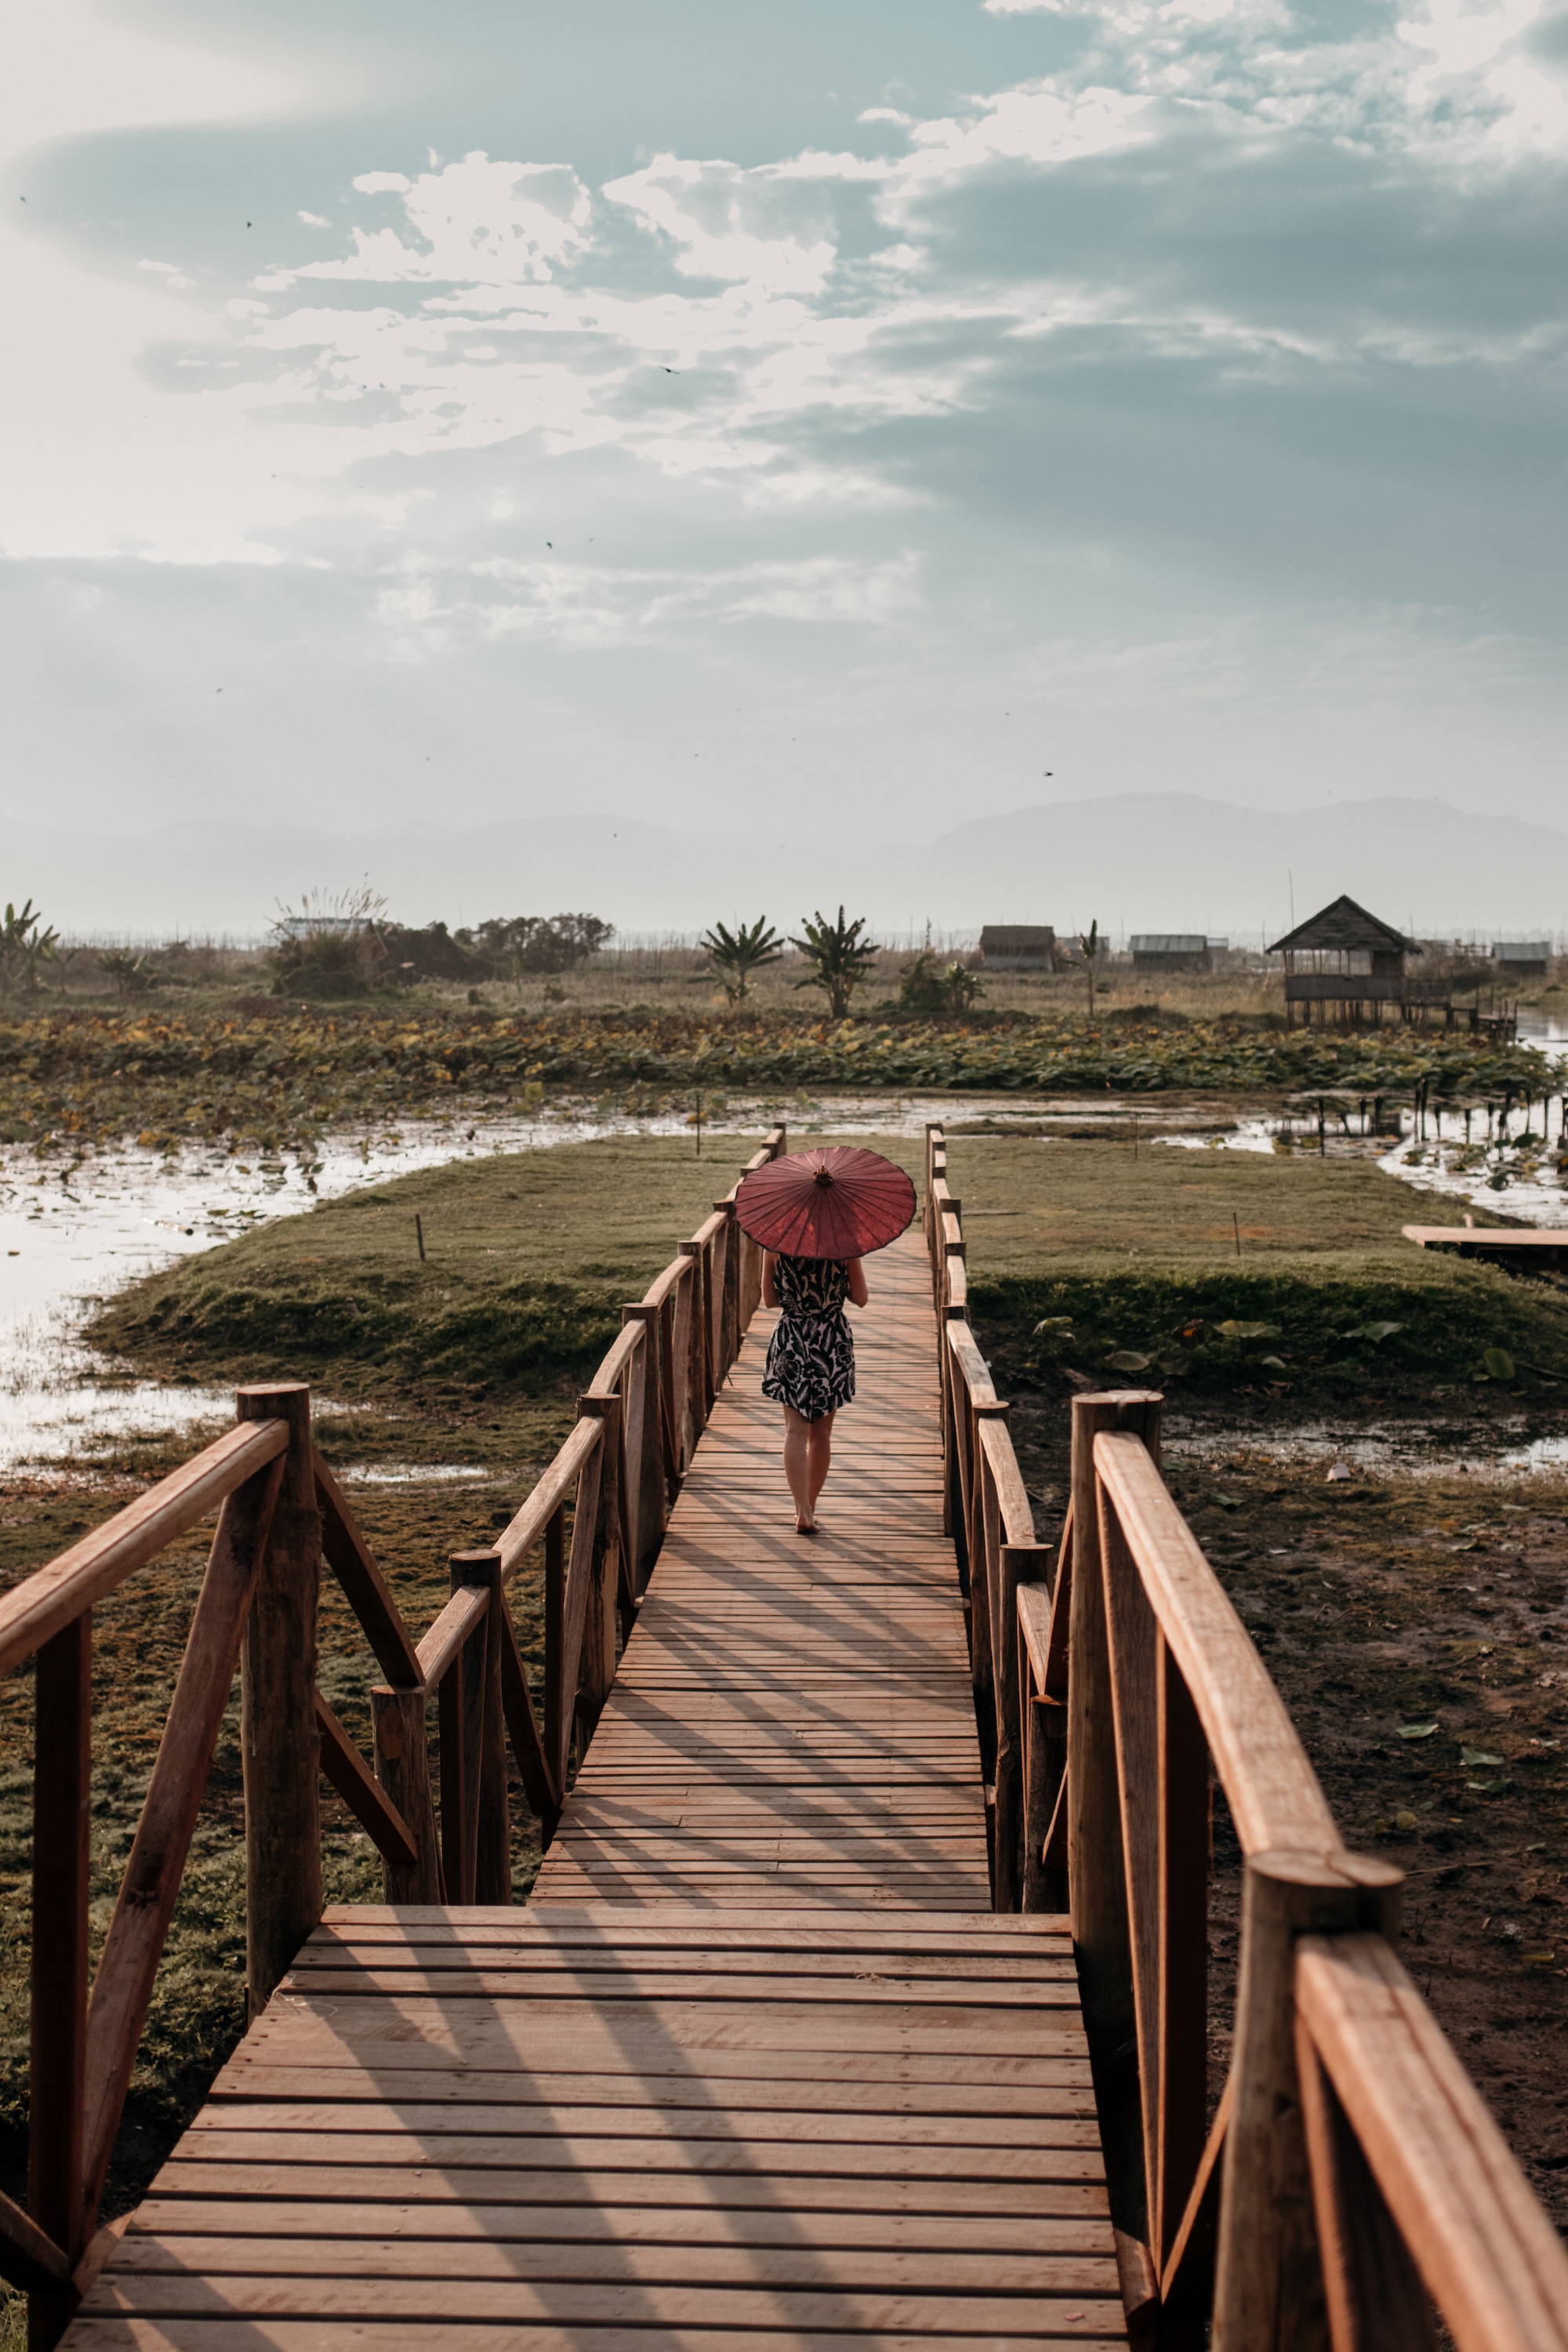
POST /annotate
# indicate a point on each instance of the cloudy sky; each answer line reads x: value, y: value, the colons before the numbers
x: 883, y: 411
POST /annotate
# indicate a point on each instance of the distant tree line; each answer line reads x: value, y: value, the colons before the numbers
x: 348, y: 946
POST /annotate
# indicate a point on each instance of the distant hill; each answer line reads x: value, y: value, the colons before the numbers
x: 1134, y: 861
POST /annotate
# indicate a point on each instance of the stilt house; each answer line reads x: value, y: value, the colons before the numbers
x: 1345, y: 966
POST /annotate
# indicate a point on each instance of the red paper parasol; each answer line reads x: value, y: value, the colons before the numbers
x: 835, y: 1202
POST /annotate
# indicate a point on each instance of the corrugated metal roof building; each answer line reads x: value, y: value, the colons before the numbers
x: 1524, y: 958
x: 1171, y: 951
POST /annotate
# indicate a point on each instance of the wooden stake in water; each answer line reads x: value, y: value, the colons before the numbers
x: 1236, y: 1222
x: 419, y: 1236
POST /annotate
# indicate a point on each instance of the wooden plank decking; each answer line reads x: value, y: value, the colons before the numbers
x: 1545, y: 1245
x: 755, y: 2066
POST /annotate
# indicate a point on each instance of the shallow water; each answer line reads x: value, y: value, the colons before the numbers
x: 1530, y: 1188
x: 73, y: 1235
x: 1415, y: 1452
x: 74, y: 1231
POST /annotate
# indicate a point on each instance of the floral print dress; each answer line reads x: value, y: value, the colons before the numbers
x: 811, y: 1356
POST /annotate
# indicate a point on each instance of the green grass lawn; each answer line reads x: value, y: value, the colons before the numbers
x: 1153, y: 1258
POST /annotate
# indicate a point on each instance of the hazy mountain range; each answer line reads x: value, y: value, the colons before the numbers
x: 1134, y: 861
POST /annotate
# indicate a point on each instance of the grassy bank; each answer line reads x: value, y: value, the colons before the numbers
x: 530, y: 1258
x: 261, y: 1079
x: 1212, y: 1272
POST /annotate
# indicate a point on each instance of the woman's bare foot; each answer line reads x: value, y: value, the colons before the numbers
x: 805, y: 1527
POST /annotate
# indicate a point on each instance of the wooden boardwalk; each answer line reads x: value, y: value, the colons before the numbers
x: 757, y: 2065
x: 793, y: 1720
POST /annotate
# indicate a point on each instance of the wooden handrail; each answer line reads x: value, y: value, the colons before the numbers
x: 52, y: 1597
x: 525, y: 1529
x: 460, y: 1618
x: 606, y: 1379
x: 1134, y: 1678
x: 664, y: 1284
x: 1486, y: 2253
x: 1274, y: 1795
x: 976, y: 1373
x: 1017, y: 1515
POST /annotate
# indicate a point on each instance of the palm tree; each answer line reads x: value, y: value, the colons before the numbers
x: 839, y: 958
x: 737, y: 954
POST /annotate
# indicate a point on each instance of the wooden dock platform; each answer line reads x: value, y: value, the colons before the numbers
x: 1538, y: 1245
x: 756, y: 2065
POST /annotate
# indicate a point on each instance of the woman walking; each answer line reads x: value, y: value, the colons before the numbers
x: 816, y: 1215
x: 811, y: 1364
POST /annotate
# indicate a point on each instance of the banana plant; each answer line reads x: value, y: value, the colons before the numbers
x: 736, y: 955
x: 840, y: 959
x: 25, y: 947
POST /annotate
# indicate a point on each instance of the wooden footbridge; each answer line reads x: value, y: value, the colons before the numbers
x: 862, y: 1999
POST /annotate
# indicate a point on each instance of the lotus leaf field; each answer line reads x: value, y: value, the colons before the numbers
x: 268, y: 1079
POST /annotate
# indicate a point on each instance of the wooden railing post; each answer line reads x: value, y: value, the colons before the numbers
x: 62, y: 1766
x: 488, y: 1830
x: 690, y: 1352
x: 557, y: 1698
x: 1268, y: 2284
x: 401, y: 1749
x: 981, y: 1556
x: 1043, y: 1729
x: 597, y: 1671
x: 707, y: 1354
x: 1184, y: 1833
x: 1095, y: 1869
x: 279, y: 1740
x: 645, y: 1444
x: 1017, y: 1564
x: 728, y: 1317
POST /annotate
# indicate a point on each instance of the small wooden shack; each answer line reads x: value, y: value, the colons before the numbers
x: 1523, y: 959
x: 1345, y: 966
x: 1171, y: 951
x: 1018, y: 947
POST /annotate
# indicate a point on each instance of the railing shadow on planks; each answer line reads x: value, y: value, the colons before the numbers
x: 281, y: 1512
x: 1352, y: 2179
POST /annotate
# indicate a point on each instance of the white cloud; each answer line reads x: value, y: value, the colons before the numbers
x: 501, y: 600
x: 476, y: 223
x: 170, y: 272
x: 764, y: 326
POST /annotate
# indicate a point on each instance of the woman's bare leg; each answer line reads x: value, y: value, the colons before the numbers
x: 807, y: 1452
x: 796, y: 1463
x: 818, y: 1455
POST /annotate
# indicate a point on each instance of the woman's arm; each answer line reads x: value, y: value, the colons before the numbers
x: 770, y: 1287
x: 858, y: 1294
